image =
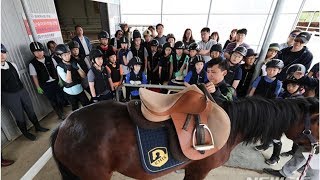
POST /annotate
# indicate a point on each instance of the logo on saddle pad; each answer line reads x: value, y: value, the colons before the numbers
x: 158, y: 156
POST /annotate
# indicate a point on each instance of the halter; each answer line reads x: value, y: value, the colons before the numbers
x: 314, y: 143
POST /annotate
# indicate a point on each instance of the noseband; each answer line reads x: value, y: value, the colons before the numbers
x: 306, y: 133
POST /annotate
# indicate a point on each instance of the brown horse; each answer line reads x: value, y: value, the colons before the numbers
x: 99, y: 139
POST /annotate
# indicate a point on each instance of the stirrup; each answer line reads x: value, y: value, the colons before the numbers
x: 202, y: 147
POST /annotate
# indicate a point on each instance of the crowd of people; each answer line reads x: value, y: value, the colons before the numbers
x: 77, y: 72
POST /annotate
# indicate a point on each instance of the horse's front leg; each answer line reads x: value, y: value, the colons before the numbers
x: 200, y: 169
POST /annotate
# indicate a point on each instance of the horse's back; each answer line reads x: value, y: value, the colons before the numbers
x: 88, y: 134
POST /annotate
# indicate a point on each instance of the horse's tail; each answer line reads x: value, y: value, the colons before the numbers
x: 65, y: 172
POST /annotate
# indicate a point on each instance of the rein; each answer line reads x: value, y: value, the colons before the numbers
x: 306, y: 133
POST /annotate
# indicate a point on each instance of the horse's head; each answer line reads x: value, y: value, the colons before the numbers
x: 307, y: 131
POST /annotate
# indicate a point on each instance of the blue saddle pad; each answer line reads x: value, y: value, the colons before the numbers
x: 154, y: 150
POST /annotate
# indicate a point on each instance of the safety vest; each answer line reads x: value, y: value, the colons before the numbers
x: 44, y: 70
x: 10, y: 81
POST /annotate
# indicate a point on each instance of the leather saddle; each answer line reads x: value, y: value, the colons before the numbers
x: 202, y: 126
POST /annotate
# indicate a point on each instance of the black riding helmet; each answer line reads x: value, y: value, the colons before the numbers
x: 136, y: 34
x: 241, y: 50
x: 154, y: 42
x: 73, y: 44
x: 3, y: 49
x: 198, y: 58
x: 296, y: 67
x: 134, y: 61
x: 62, y: 48
x: 103, y: 34
x: 179, y: 45
x: 36, y: 46
x: 216, y: 47
x: 170, y: 36
x: 275, y: 63
x: 94, y: 53
x: 124, y: 40
x: 193, y: 46
x: 166, y: 45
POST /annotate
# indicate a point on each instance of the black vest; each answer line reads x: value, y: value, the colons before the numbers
x: 177, y: 64
x: 154, y: 60
x: 56, y: 58
x: 135, y: 77
x: 101, y: 83
x: 115, y: 72
x: 106, y: 53
x: 81, y: 62
x: 231, y: 73
x: 244, y: 84
x: 10, y: 81
x: 75, y: 76
x: 139, y: 53
x: 266, y: 89
x: 44, y: 70
x: 192, y: 64
x: 197, y: 78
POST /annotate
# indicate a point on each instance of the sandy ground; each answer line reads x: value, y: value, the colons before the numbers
x: 26, y: 153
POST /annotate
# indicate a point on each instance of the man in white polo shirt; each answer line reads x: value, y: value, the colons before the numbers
x: 205, y: 44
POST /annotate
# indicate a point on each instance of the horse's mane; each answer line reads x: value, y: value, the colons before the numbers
x: 262, y: 119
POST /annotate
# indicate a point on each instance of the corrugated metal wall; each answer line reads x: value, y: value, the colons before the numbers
x: 14, y: 36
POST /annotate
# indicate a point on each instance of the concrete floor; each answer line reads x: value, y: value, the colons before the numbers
x: 26, y: 153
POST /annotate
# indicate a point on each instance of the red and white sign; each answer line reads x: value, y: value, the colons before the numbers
x: 46, y: 25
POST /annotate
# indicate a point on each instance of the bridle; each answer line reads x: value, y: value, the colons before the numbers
x: 306, y: 133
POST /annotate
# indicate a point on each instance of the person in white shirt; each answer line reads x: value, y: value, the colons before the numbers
x: 44, y: 75
x: 205, y: 44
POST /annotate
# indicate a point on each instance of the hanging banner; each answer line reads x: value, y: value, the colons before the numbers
x: 46, y: 25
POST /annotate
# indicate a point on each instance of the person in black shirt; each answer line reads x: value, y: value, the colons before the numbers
x: 100, y: 82
x: 153, y: 62
x: 247, y: 72
x: 219, y: 89
x: 16, y: 98
x: 296, y: 54
x: 106, y: 49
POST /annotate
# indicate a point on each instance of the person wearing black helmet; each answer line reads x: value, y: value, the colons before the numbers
x: 268, y: 86
x: 84, y: 42
x: 153, y: 62
x: 164, y: 64
x: 115, y: 71
x: 193, y: 50
x: 235, y: 72
x: 198, y: 74
x: 115, y: 42
x: 135, y: 77
x: 171, y: 40
x: 312, y: 83
x: 247, y: 72
x: 273, y: 51
x: 16, y: 98
x: 138, y: 50
x: 71, y: 75
x: 76, y: 56
x: 241, y: 35
x: 178, y: 61
x: 106, y: 49
x: 45, y: 78
x: 298, y: 53
x: 100, y: 82
x: 215, y: 51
